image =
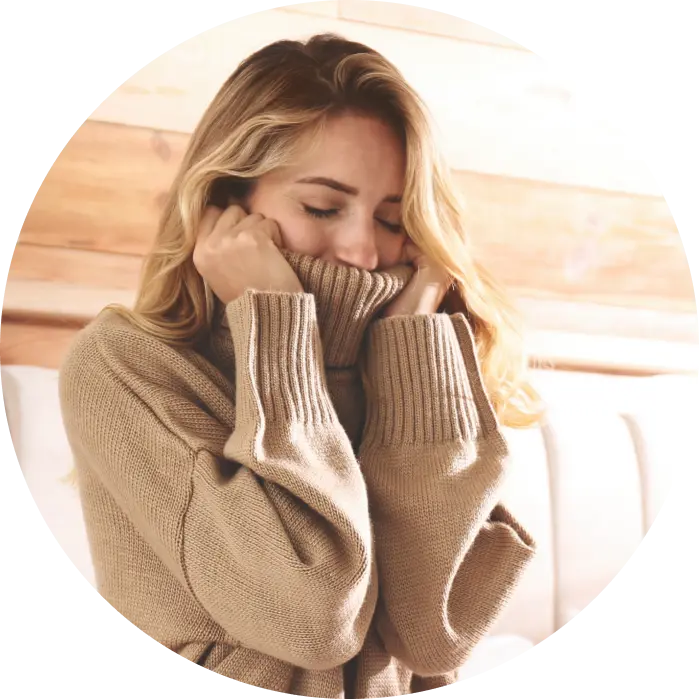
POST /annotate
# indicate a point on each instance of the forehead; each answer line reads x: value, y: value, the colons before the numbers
x: 360, y: 151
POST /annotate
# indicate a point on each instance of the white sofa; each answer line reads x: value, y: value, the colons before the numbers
x: 588, y: 485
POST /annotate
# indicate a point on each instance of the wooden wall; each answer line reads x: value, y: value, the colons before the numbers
x: 559, y: 208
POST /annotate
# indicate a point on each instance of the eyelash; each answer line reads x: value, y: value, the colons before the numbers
x: 327, y: 213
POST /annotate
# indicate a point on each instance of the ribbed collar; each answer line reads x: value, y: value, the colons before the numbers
x: 347, y: 300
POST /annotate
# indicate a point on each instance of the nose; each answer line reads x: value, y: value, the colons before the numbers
x: 356, y: 246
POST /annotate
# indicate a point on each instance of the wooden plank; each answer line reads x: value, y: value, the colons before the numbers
x: 423, y: 20
x: 617, y: 355
x: 44, y: 301
x: 498, y: 110
x: 611, y: 321
x: 104, y: 192
x: 35, y: 344
x: 578, y: 244
x: 65, y: 265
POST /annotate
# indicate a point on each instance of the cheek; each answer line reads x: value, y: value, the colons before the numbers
x: 300, y: 234
x: 391, y: 249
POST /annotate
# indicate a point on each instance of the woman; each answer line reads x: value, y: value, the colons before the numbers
x: 289, y: 454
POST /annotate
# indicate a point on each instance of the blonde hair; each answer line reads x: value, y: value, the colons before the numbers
x: 253, y: 125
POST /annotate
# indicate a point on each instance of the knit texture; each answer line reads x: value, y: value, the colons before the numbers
x: 258, y: 509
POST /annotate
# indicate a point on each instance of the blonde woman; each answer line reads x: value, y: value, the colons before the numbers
x: 289, y: 452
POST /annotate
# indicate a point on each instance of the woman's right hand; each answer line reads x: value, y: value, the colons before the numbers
x: 235, y: 251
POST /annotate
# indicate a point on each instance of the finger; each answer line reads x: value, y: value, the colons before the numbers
x: 270, y: 228
x: 207, y: 222
x: 233, y: 219
x: 410, y: 252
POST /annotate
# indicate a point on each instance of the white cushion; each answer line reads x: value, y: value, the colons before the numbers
x: 493, y: 651
x: 44, y: 455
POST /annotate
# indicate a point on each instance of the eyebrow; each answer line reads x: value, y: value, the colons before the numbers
x: 341, y: 187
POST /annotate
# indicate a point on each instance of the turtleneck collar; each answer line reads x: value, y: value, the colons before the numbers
x: 347, y: 300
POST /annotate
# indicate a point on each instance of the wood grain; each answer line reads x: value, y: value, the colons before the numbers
x: 105, y: 190
x: 609, y: 354
x: 48, y: 301
x: 67, y: 265
x: 578, y: 244
x: 35, y: 344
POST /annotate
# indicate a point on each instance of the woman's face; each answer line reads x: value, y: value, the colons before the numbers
x: 340, y: 201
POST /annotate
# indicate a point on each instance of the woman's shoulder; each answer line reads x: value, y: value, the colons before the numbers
x: 115, y: 367
x: 110, y: 333
x: 113, y: 344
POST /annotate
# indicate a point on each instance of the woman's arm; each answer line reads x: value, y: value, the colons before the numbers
x: 272, y: 538
x: 433, y: 458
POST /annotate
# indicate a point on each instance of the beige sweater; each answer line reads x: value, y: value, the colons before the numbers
x: 256, y: 509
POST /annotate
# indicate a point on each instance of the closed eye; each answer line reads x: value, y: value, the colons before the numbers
x: 327, y: 213
x: 320, y: 213
x: 393, y: 227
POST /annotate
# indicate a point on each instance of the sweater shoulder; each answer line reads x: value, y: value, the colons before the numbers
x: 112, y: 341
x: 112, y: 354
x: 114, y: 366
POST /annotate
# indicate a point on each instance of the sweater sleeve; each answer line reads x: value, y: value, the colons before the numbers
x: 272, y: 537
x: 448, y: 552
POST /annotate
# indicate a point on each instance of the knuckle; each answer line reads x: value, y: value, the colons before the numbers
x: 271, y: 225
x: 244, y: 235
x: 253, y: 220
x: 236, y: 209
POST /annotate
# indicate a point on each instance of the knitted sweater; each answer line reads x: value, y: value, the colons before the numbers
x: 258, y: 509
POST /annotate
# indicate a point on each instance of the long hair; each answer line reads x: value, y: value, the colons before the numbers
x: 253, y: 125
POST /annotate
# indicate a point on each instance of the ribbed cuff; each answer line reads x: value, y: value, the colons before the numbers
x: 280, y: 375
x: 418, y: 388
x: 501, y: 514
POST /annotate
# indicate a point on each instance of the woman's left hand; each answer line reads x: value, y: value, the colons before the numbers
x: 426, y: 289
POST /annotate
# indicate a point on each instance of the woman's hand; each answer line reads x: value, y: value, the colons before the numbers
x: 235, y: 251
x: 425, y: 290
